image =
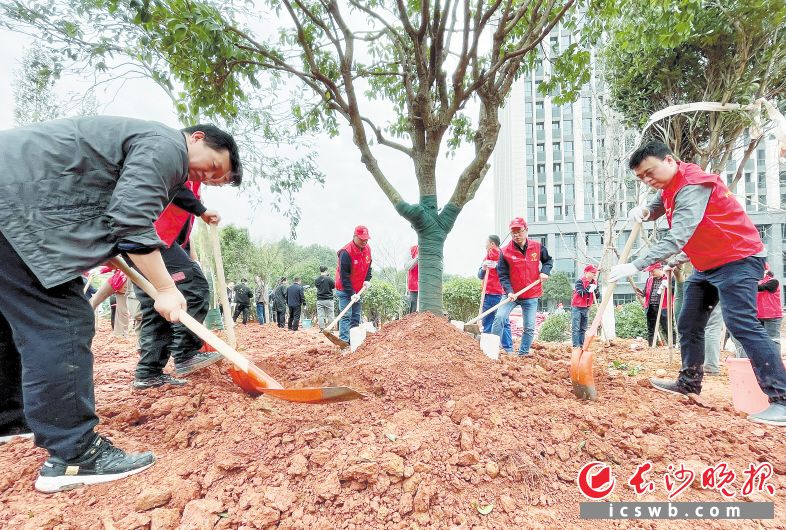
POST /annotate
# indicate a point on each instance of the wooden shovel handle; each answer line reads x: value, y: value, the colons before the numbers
x: 229, y: 353
x: 343, y: 311
x: 504, y: 301
x: 229, y: 324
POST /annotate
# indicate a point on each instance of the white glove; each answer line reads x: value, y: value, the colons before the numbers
x: 367, y: 284
x: 618, y: 272
x: 662, y: 288
x: 490, y: 264
x: 668, y: 268
x: 639, y: 214
x: 355, y: 297
x: 591, y: 287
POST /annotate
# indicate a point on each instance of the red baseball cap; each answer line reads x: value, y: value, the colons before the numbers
x: 590, y: 268
x: 656, y: 265
x: 518, y: 222
x: 362, y: 232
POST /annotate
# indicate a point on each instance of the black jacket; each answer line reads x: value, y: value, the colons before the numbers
x: 295, y: 296
x: 325, y: 286
x: 279, y: 298
x: 242, y: 294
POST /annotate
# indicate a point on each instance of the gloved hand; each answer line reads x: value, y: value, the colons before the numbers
x: 668, y: 268
x: 592, y: 287
x: 639, y: 214
x: 367, y: 284
x: 355, y: 297
x: 619, y: 272
x: 490, y: 264
x: 662, y: 288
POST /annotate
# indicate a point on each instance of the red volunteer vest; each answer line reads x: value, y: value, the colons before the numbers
x: 585, y: 300
x: 769, y: 304
x: 726, y: 233
x: 524, y: 269
x: 171, y: 221
x: 668, y: 302
x: 361, y: 261
x: 492, y: 284
x: 412, y: 274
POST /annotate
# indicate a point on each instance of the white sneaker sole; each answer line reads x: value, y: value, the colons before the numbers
x: 781, y: 423
x: 65, y: 483
x: 656, y: 387
x: 6, y: 439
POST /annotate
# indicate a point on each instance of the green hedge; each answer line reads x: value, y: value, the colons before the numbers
x: 556, y: 328
x: 631, y: 321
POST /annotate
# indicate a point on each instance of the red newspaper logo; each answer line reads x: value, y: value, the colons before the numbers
x: 637, y: 481
x: 594, y: 486
x: 763, y: 473
x: 681, y: 479
x: 717, y: 477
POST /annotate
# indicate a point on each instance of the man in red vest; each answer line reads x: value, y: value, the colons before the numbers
x: 710, y: 226
x: 521, y: 262
x: 768, y: 305
x: 352, y: 273
x: 159, y: 339
x: 654, y: 290
x: 494, y: 291
x: 412, y: 279
x: 585, y: 292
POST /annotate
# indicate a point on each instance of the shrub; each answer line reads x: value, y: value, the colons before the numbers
x: 381, y: 302
x: 555, y: 328
x: 461, y: 297
x: 631, y: 321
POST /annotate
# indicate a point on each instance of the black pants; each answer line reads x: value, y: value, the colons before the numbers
x: 241, y: 308
x: 294, y: 317
x: 46, y: 366
x: 159, y: 339
x: 653, y: 321
x: 281, y: 317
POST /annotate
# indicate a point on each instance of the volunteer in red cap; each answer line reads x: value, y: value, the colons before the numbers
x: 352, y: 273
x: 412, y: 279
x: 708, y: 224
x: 521, y: 262
x: 654, y: 290
x: 585, y: 293
x: 494, y: 291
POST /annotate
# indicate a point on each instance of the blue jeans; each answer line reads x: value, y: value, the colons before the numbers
x: 350, y: 319
x: 578, y: 325
x: 734, y: 284
x: 506, y: 341
x: 260, y: 313
x: 529, y: 308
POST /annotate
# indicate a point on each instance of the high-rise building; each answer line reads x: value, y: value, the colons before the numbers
x: 561, y: 169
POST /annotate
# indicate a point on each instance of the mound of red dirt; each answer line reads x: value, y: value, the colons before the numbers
x: 444, y: 431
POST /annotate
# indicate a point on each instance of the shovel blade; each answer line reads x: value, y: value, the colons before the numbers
x: 584, y: 385
x: 331, y: 394
x: 335, y: 339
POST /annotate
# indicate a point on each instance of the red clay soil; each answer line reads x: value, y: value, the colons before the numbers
x: 444, y: 431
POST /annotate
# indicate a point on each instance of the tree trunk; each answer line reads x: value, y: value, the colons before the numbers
x: 432, y: 227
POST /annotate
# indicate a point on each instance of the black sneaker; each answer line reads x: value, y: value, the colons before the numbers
x: 17, y: 431
x: 174, y: 381
x: 148, y: 382
x: 101, y: 462
x: 197, y: 362
x: 667, y: 385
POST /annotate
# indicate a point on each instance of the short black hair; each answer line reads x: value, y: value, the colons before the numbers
x: 322, y: 268
x: 219, y: 140
x: 654, y: 148
x: 283, y: 279
x: 297, y: 279
x: 494, y: 239
x: 243, y: 280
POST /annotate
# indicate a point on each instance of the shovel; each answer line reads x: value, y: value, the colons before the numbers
x: 229, y: 324
x: 504, y: 301
x: 332, y: 337
x: 245, y: 374
x: 581, y: 358
x: 475, y: 328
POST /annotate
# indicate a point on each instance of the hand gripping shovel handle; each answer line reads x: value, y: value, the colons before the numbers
x: 229, y: 353
x: 504, y: 301
x: 343, y: 311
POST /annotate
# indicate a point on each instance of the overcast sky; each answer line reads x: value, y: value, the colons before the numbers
x: 329, y: 214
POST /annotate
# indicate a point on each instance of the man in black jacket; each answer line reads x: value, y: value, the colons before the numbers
x: 242, y: 301
x: 295, y: 301
x: 325, y: 308
x: 279, y: 302
x: 74, y: 193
